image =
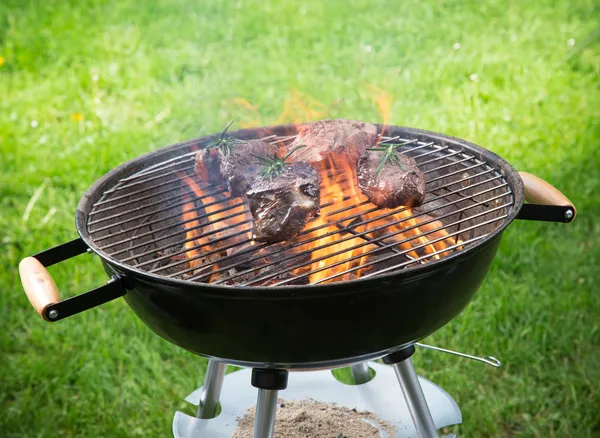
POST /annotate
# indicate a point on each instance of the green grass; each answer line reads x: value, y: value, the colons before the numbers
x: 169, y: 70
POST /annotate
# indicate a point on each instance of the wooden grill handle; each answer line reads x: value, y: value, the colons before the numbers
x: 38, y: 284
x: 538, y: 191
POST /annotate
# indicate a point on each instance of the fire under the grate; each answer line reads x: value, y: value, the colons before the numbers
x: 165, y: 221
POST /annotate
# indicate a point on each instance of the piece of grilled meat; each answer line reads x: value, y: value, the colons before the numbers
x: 233, y: 164
x: 340, y: 137
x: 282, y: 204
x: 395, y: 184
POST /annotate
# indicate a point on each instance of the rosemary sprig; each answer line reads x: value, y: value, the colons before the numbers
x: 223, y: 141
x: 390, y: 154
x: 274, y: 166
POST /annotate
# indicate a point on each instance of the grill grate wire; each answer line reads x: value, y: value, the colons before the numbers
x: 139, y: 222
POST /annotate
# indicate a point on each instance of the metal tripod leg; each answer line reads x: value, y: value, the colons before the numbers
x: 213, y: 382
x: 415, y: 399
x: 360, y: 373
x: 266, y: 406
x: 269, y: 382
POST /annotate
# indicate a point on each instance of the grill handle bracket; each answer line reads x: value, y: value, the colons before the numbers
x: 546, y: 213
x: 544, y: 201
x: 42, y: 292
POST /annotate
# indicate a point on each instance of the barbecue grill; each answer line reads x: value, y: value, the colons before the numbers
x: 181, y: 253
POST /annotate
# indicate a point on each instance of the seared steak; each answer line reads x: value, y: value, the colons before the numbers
x: 281, y: 205
x: 340, y: 137
x: 398, y: 182
x: 207, y: 165
x: 233, y: 164
x: 240, y: 169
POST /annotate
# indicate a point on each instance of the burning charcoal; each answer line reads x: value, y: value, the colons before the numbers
x: 266, y: 259
x: 340, y: 137
x: 282, y: 204
x: 390, y: 178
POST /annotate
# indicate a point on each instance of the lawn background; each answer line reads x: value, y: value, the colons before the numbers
x: 87, y: 85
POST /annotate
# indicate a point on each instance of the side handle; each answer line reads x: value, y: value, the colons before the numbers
x: 544, y: 201
x: 42, y: 292
x: 38, y: 284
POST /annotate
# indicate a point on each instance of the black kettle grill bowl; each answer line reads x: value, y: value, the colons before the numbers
x: 309, y: 326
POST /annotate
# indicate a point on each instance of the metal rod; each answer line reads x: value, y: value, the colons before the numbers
x: 490, y: 360
x: 443, y: 157
x: 155, y: 168
x: 121, y: 214
x: 185, y: 250
x: 144, y: 224
x: 150, y: 172
x: 389, y: 213
x: 138, y: 192
x: 182, y: 187
x: 220, y: 190
x: 215, y: 251
x: 435, y: 169
x: 168, y: 206
x: 161, y: 220
x: 195, y: 218
x: 424, y: 154
x: 185, y: 231
x: 220, y: 249
x: 211, y: 390
x: 146, y: 189
x: 161, y: 183
x: 171, y: 162
x: 266, y: 407
x: 361, y: 373
x: 415, y: 399
x: 355, y: 235
x: 174, y: 162
x: 374, y: 241
x: 410, y: 262
x: 154, y: 194
x: 205, y: 254
x: 170, y: 227
x: 380, y: 247
x: 446, y: 175
x: 187, y: 192
x: 237, y: 244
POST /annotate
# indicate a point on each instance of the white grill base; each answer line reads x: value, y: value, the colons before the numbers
x: 381, y: 395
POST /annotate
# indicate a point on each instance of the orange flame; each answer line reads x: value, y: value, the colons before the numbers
x: 384, y: 105
x: 297, y: 108
x: 216, y: 212
x: 338, y: 187
x: 345, y: 233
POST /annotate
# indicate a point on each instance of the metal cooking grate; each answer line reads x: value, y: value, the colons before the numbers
x: 146, y: 221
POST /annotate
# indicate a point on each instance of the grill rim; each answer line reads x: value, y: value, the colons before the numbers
x: 109, y: 180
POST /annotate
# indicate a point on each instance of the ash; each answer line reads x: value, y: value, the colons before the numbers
x: 312, y: 419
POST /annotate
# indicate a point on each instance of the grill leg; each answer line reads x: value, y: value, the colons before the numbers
x: 266, y: 406
x: 413, y: 393
x: 360, y: 373
x: 213, y: 382
x: 269, y: 382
